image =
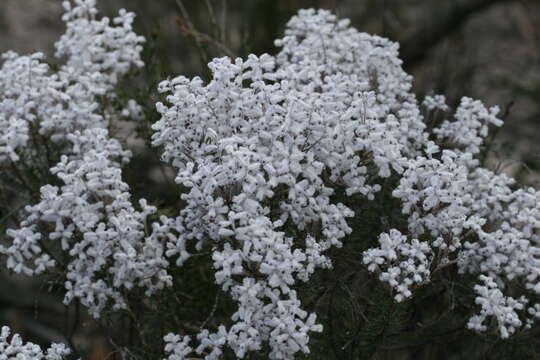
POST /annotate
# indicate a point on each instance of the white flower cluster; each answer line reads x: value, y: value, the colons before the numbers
x: 405, y: 263
x: 104, y: 48
x: 23, y: 86
x: 34, y: 100
x: 506, y: 252
x: 15, y: 349
x: 324, y: 51
x: 260, y: 147
x: 88, y: 227
x: 494, y: 304
x: 177, y: 347
x: 471, y: 125
x: 95, y: 224
x: 265, y: 143
x: 435, y: 102
x: 474, y: 218
x: 433, y: 194
x: 236, y: 151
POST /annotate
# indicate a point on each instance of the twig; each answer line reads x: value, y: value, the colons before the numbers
x: 185, y: 15
x: 202, y: 37
x: 212, y: 312
x: 213, y: 21
x: 223, y: 20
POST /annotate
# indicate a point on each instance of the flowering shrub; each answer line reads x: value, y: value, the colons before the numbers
x: 279, y: 158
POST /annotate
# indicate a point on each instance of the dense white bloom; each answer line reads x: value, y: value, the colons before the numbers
x: 471, y: 125
x: 235, y: 151
x: 106, y: 48
x: 436, y: 102
x: 433, y: 194
x: 490, y: 195
x: 16, y: 349
x: 324, y: 51
x: 263, y: 131
x: 177, y: 347
x: 265, y: 143
x: 91, y: 222
x: 24, y: 84
x: 34, y: 100
x: 401, y: 263
x: 506, y: 253
x: 87, y: 227
x: 494, y: 304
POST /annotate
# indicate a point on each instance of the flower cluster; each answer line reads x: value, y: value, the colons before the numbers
x: 88, y: 227
x: 93, y: 221
x: 23, y: 85
x: 432, y: 194
x: 35, y: 100
x: 105, y: 49
x: 494, y: 304
x: 263, y: 146
x: 15, y: 349
x: 471, y: 126
x: 405, y: 263
x: 177, y: 347
x: 435, y: 102
x: 235, y: 151
x: 260, y: 148
x: 324, y: 51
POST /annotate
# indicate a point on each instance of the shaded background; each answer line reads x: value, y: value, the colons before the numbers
x: 485, y: 49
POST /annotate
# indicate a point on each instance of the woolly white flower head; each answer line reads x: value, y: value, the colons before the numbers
x: 401, y: 263
x: 94, y: 225
x: 35, y: 100
x: 17, y: 349
x: 261, y: 147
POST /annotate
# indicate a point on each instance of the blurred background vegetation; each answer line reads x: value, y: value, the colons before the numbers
x: 485, y: 49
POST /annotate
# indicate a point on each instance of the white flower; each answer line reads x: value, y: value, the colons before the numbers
x: 471, y: 126
x: 436, y: 102
x: 16, y: 349
x: 102, y: 236
x: 400, y: 262
x: 96, y: 52
x: 504, y: 309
